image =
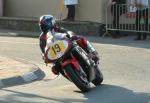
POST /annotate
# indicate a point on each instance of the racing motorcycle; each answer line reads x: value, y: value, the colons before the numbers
x: 75, y: 63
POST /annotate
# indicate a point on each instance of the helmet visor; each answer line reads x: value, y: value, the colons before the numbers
x: 44, y: 28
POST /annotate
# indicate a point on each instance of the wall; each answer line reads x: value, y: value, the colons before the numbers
x: 31, y: 8
x: 1, y: 7
x: 87, y: 10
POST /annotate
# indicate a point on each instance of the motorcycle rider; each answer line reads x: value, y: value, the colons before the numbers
x: 47, y: 24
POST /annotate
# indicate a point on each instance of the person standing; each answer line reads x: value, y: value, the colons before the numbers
x: 117, y: 9
x: 142, y: 11
x: 70, y: 4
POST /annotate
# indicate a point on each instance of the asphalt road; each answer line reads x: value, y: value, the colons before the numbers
x: 126, y: 69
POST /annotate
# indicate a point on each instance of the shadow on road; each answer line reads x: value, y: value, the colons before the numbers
x: 103, y: 94
x: 115, y: 94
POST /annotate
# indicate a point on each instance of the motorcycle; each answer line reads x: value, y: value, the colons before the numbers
x: 75, y: 63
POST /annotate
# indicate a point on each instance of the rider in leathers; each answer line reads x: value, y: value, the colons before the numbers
x: 48, y: 26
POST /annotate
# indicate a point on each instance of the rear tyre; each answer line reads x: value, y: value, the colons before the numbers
x: 78, y: 78
x: 98, y: 77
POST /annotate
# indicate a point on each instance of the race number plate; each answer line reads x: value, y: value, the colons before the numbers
x: 57, y: 49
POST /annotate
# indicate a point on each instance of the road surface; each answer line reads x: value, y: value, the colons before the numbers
x: 125, y: 66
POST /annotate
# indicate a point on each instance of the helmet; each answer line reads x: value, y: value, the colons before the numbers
x: 46, y: 23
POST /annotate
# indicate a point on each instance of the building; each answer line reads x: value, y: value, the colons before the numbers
x: 87, y: 10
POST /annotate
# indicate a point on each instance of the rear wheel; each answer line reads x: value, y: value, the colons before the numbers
x: 99, y: 76
x: 79, y: 78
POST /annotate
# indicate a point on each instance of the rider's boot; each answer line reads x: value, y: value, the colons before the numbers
x: 92, y: 52
x: 87, y: 46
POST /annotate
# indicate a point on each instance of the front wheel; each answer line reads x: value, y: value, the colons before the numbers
x: 78, y: 78
x: 98, y: 76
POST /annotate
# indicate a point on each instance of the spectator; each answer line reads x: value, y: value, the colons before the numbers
x: 117, y: 10
x: 70, y: 4
x: 142, y: 11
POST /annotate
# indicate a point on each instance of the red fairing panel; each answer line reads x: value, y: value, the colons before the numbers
x: 74, y: 62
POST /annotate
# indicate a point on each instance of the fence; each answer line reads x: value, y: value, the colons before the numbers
x: 123, y: 17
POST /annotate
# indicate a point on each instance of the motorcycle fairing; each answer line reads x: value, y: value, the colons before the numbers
x: 73, y: 62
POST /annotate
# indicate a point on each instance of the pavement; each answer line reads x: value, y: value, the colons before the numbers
x: 15, y: 72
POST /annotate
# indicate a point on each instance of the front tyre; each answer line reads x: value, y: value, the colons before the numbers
x: 78, y: 78
x: 98, y: 76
